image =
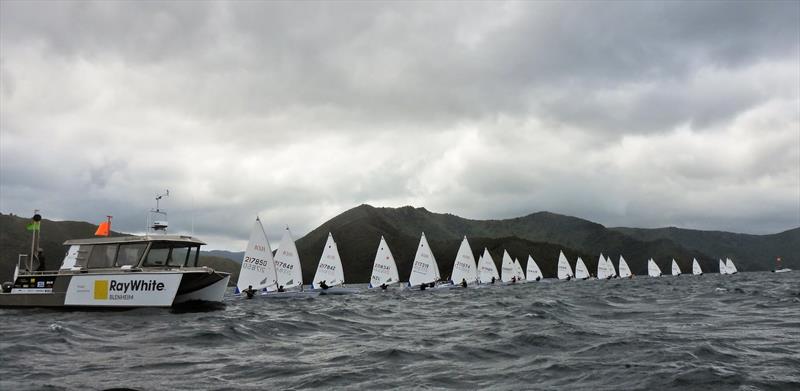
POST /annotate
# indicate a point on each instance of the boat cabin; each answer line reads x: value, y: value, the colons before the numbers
x: 132, y: 252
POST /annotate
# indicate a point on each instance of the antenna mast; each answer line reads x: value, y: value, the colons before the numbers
x: 158, y: 218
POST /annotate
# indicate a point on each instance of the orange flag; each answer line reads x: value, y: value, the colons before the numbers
x: 103, y: 229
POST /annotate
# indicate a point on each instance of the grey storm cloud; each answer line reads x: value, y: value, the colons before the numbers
x: 627, y: 113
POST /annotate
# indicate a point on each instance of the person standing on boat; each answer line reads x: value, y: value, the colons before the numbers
x: 250, y: 292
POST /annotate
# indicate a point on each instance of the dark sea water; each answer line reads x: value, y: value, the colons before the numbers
x: 706, y: 332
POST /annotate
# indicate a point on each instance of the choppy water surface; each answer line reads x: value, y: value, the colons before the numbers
x: 712, y: 332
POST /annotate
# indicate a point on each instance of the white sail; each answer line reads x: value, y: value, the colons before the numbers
x: 696, y: 267
x: 564, y: 269
x: 486, y: 268
x: 723, y: 269
x: 534, y: 273
x: 602, y: 268
x: 507, y: 269
x: 612, y: 272
x: 287, y: 263
x: 424, y: 269
x: 329, y: 268
x: 581, y: 272
x: 652, y: 269
x: 676, y: 270
x: 464, y: 266
x: 384, y: 269
x: 730, y: 268
x: 518, y: 271
x: 258, y: 267
x: 624, y: 270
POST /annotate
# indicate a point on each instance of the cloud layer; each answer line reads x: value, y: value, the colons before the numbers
x: 637, y: 114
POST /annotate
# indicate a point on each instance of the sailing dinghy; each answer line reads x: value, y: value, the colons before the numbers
x: 652, y: 269
x: 519, y: 272
x: 676, y: 270
x: 564, y: 269
x: 534, y: 273
x: 696, y: 270
x: 464, y: 269
x: 507, y: 269
x: 624, y: 270
x: 487, y: 270
x: 424, y: 271
x: 602, y: 268
x: 730, y: 268
x: 581, y: 272
x: 612, y: 271
x: 329, y: 271
x: 288, y: 270
x: 384, y: 269
x: 723, y: 269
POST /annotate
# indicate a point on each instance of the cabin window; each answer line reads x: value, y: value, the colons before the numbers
x: 129, y: 254
x: 102, y: 256
x: 178, y: 257
x: 158, y: 254
x: 192, y: 259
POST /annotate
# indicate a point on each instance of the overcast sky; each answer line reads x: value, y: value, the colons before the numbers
x: 625, y: 113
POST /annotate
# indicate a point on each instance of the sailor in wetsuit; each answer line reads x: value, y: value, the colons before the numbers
x: 250, y: 292
x: 384, y: 286
x: 280, y: 288
x: 463, y: 282
x: 323, y: 285
x: 493, y: 280
x: 423, y: 286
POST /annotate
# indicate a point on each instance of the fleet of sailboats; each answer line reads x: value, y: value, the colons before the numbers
x: 279, y: 274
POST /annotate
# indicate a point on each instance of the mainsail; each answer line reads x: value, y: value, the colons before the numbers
x: 730, y: 267
x: 581, y: 272
x: 424, y: 269
x: 624, y: 270
x: 676, y: 270
x: 652, y: 269
x: 486, y: 268
x: 287, y: 263
x: 564, y: 269
x: 258, y: 266
x: 329, y: 268
x: 508, y: 270
x: 613, y: 272
x: 696, y: 270
x: 602, y: 268
x: 534, y: 273
x: 518, y: 270
x: 464, y: 266
x: 384, y: 269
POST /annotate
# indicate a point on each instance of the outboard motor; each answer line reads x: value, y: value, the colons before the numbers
x: 7, y: 286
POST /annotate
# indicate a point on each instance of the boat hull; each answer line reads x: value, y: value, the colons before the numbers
x: 116, y: 288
